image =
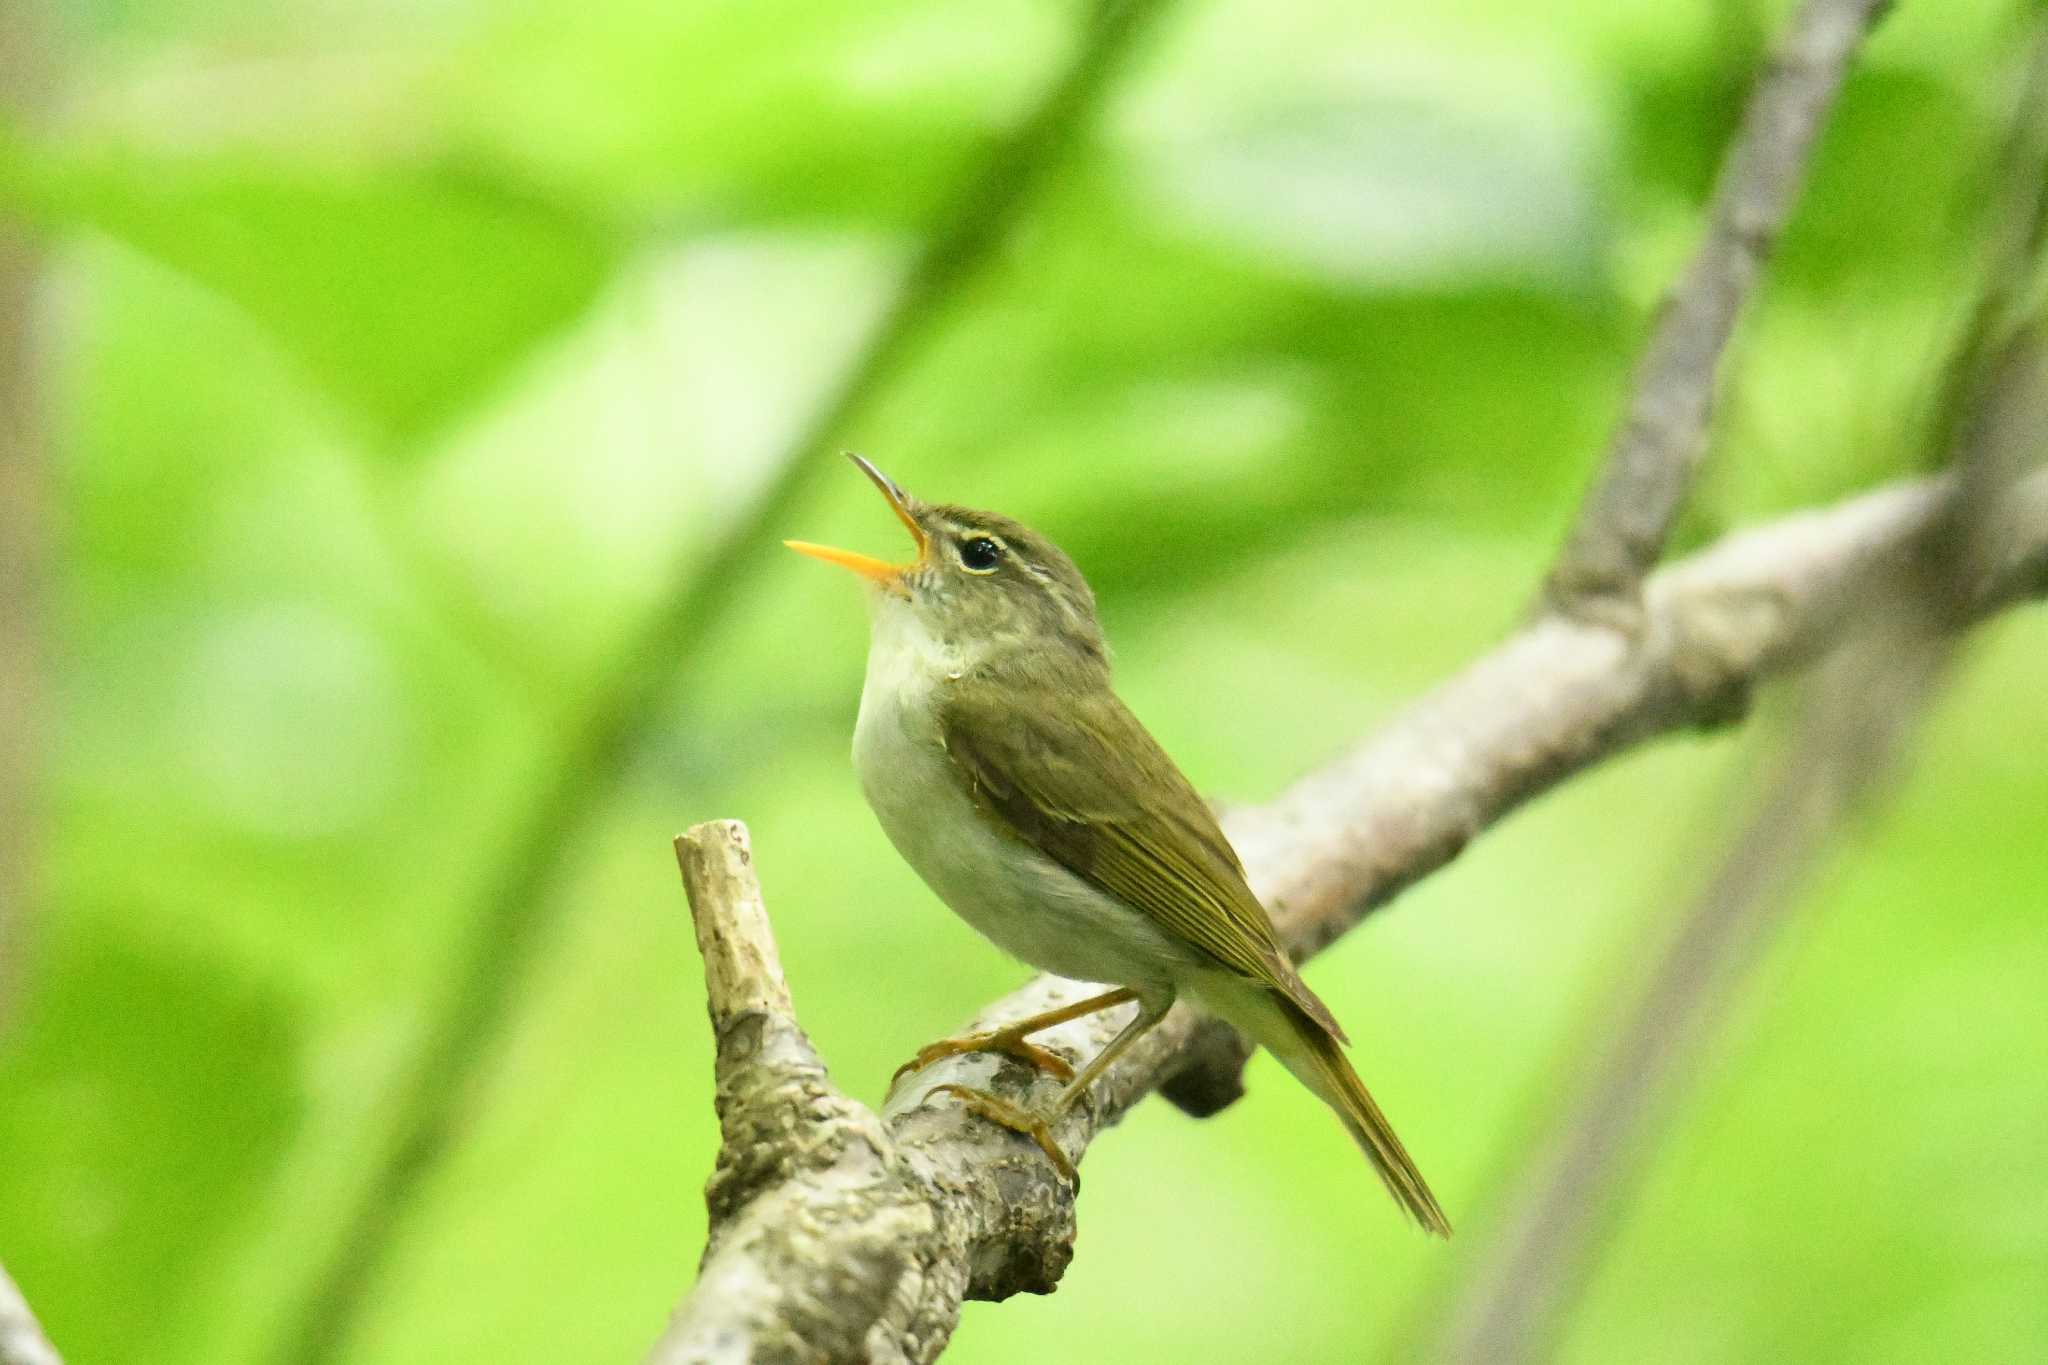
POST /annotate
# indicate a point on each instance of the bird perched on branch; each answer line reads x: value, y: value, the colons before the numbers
x: 1005, y: 770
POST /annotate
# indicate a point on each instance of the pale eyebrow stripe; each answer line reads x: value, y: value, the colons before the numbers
x: 1059, y: 594
x: 963, y: 529
x: 1070, y: 610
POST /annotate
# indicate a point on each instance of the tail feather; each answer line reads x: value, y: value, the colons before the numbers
x: 1338, y: 1084
x: 1308, y: 1050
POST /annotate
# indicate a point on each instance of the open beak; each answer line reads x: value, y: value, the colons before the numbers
x: 867, y: 566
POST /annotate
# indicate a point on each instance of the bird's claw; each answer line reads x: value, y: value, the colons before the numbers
x: 1000, y: 1040
x: 1017, y: 1120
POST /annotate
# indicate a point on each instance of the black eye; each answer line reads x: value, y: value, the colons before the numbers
x: 980, y: 554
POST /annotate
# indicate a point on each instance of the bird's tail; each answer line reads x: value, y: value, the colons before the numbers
x: 1322, y: 1066
x: 1305, y: 1048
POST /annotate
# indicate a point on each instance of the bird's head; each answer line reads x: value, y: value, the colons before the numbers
x: 979, y: 579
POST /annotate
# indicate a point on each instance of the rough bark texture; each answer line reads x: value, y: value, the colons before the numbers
x: 822, y: 1239
x: 1656, y: 451
x: 841, y: 1234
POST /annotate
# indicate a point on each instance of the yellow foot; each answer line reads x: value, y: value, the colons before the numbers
x: 1017, y: 1121
x: 1006, y: 1041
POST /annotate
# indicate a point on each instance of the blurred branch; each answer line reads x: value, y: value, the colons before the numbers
x: 971, y: 1210
x: 515, y: 912
x: 21, y: 1337
x: 1860, y: 717
x: 22, y: 509
x: 1863, y: 711
x: 1655, y: 454
x: 2015, y: 251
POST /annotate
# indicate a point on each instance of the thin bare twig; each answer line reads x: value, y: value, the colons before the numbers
x: 1655, y: 454
x: 21, y: 1337
x: 1557, y: 697
x: 516, y: 911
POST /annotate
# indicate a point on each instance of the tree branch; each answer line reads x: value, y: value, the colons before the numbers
x: 1861, y: 715
x: 973, y: 1210
x: 1557, y: 697
x: 1866, y: 706
x: 21, y: 1337
x: 1859, y: 719
x: 516, y: 912
x: 1514, y: 1303
x: 1655, y: 453
x: 787, y: 1128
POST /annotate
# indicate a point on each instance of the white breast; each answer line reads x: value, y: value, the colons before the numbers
x: 1020, y: 900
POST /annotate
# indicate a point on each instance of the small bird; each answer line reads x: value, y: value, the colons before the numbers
x: 1008, y: 774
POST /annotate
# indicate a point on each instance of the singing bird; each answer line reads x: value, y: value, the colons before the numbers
x: 1008, y: 774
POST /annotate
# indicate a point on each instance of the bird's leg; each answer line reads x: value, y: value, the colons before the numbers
x: 1150, y: 1011
x: 1009, y: 1039
x: 1038, y: 1127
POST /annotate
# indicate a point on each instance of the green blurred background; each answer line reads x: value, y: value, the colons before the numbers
x: 397, y: 359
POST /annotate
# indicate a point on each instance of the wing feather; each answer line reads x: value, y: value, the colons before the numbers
x: 1089, y: 787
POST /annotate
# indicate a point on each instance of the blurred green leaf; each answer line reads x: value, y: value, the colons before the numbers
x: 1899, y: 183
x: 406, y: 294
x: 153, y: 1093
x: 854, y: 114
x: 1118, y: 370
